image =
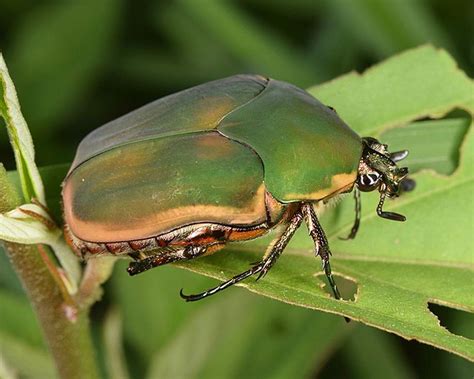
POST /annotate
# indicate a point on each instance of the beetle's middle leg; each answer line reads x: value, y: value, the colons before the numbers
x: 262, y: 267
x: 355, y: 226
x: 321, y: 244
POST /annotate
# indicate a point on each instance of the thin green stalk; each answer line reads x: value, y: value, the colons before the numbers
x: 65, y: 325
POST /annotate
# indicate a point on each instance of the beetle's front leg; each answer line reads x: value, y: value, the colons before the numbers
x: 164, y: 257
x: 320, y: 244
x: 355, y: 226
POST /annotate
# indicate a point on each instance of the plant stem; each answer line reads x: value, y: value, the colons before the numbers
x: 65, y: 326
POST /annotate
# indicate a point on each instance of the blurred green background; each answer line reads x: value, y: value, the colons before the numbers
x: 78, y: 64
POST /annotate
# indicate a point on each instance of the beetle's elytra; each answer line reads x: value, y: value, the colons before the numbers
x: 221, y: 162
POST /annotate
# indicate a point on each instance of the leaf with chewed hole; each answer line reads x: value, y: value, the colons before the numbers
x: 398, y: 267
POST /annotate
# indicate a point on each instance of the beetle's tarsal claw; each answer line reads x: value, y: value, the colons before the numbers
x: 265, y: 267
x: 236, y: 279
x: 327, y: 270
x: 198, y: 296
x: 332, y: 283
x: 324, y: 253
x: 189, y: 297
x: 195, y: 297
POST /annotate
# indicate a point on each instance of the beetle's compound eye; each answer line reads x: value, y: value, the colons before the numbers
x: 368, y: 182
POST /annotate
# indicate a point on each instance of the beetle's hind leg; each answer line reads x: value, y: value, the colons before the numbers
x: 261, y: 267
x: 162, y: 257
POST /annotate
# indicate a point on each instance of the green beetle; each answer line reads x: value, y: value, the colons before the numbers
x: 221, y: 162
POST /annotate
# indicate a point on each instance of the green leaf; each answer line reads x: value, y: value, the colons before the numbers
x: 28, y: 223
x: 398, y: 267
x: 423, y: 82
x: 8, y: 195
x: 19, y: 225
x: 20, y: 137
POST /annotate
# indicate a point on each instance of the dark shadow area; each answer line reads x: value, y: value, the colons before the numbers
x: 8, y: 160
x: 457, y: 322
x: 367, y: 352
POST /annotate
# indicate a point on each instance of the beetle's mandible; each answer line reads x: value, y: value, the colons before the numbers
x: 221, y: 162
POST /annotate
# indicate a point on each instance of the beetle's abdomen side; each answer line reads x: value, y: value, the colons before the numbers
x: 147, y: 188
x: 308, y: 152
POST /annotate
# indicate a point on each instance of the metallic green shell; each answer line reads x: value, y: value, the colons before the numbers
x: 196, y: 109
x: 153, y: 186
x: 207, y: 154
x: 308, y: 152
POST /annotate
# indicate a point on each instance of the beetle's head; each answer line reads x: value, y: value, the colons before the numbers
x: 378, y: 170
